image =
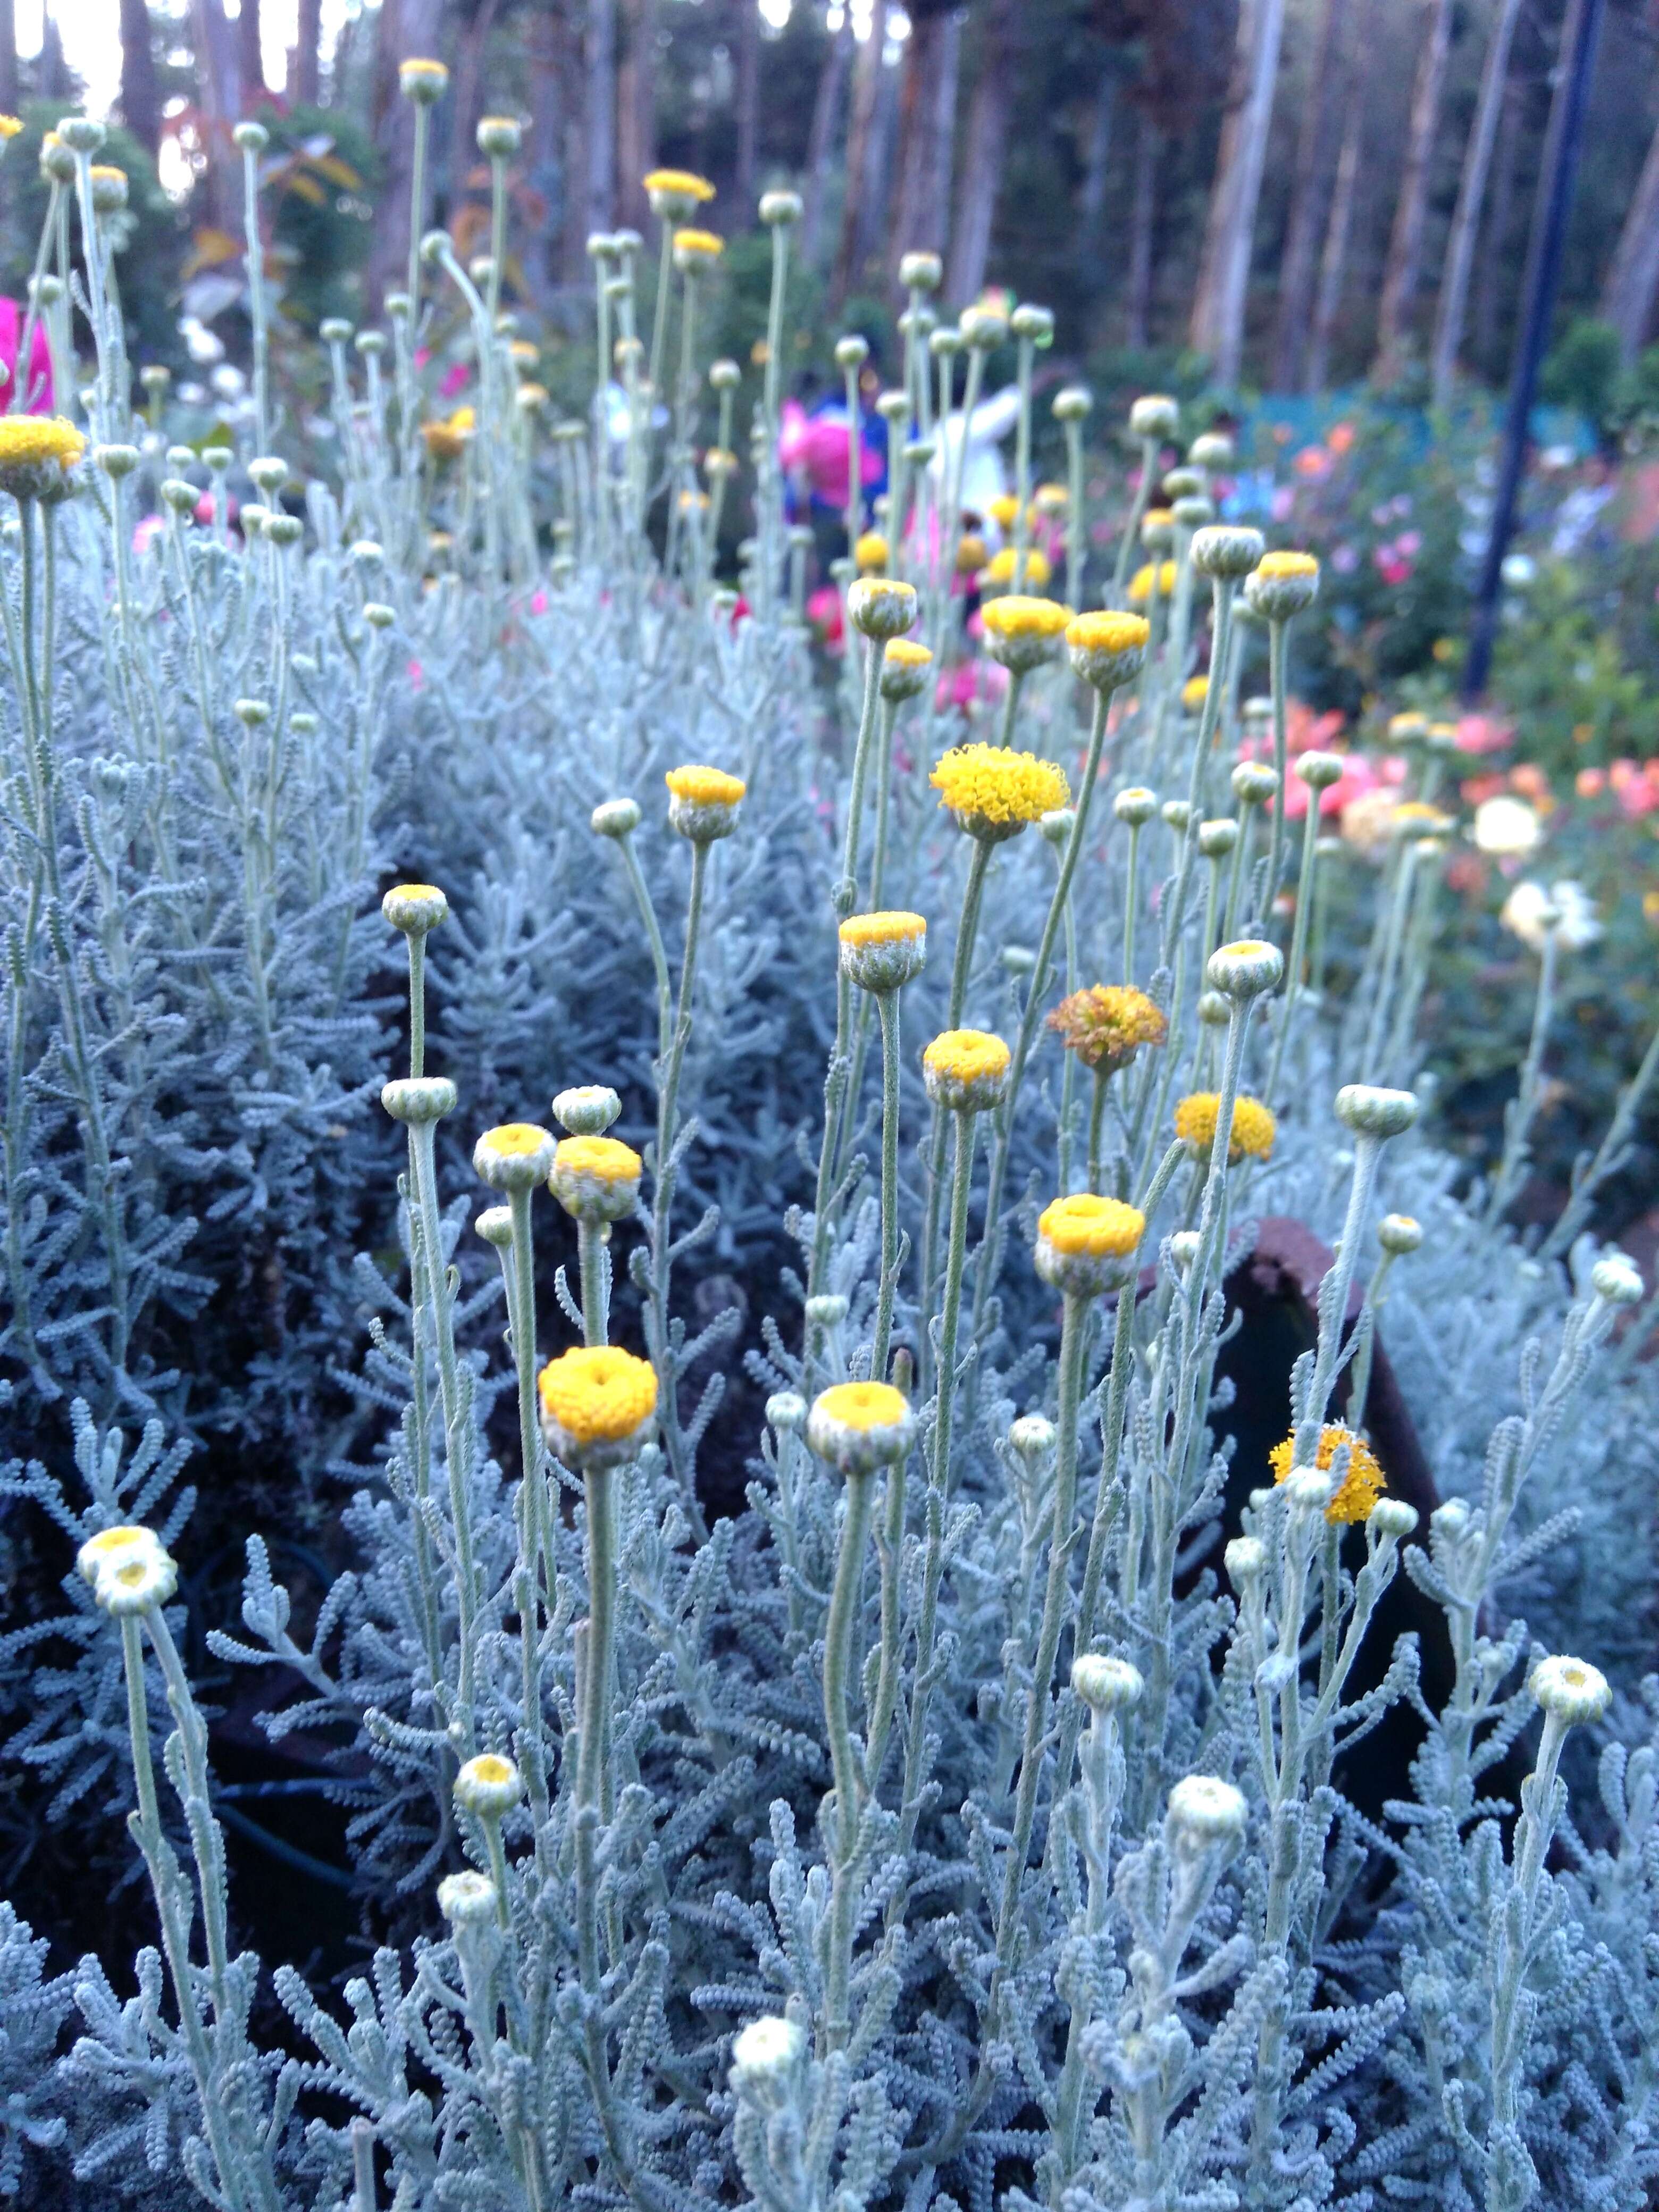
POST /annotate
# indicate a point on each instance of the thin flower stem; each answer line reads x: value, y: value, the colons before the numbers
x: 1276, y: 660
x: 1518, y: 1149
x: 888, y: 1007
x: 1149, y: 452
x: 1304, y: 896
x: 991, y: 1239
x: 839, y: 1676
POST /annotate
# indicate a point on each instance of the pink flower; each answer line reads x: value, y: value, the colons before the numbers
x: 1483, y: 733
x: 1283, y: 503
x: 971, y: 680
x: 1344, y: 560
x: 538, y: 602
x: 36, y: 399
x: 146, y: 533
x: 823, y: 612
x: 416, y: 676
x: 454, y: 380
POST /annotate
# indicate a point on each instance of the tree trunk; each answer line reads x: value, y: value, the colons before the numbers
x: 1494, y: 259
x: 1217, y: 325
x: 875, y: 207
x: 52, y: 76
x: 140, y: 103
x: 636, y: 111
x: 867, y: 84
x: 544, y: 149
x: 406, y: 26
x: 749, y: 43
x: 1143, y: 214
x: 982, y: 153
x: 466, y: 100
x: 250, y: 57
x: 1405, y: 260
x: 1453, y: 309
x: 218, y: 99
x: 601, y: 119
x: 826, y: 109
x: 9, y: 57
x: 1633, y: 277
x: 1315, y: 147
x: 1334, y: 261
x: 306, y: 87
x: 1091, y: 201
x: 927, y: 107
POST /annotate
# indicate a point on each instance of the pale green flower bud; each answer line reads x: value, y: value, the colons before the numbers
x: 1369, y: 1110
x: 489, y: 1785
x: 1571, y: 1690
x: 1107, y: 1685
x: 1154, y: 414
x: 1203, y: 1811
x: 1226, y: 551
x: 419, y: 1098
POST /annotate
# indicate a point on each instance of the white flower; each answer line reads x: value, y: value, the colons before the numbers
x: 1571, y: 1690
x: 489, y: 1785
x: 1506, y: 828
x: 464, y: 1899
x: 1530, y: 911
x: 1204, y: 1811
x: 1106, y: 1686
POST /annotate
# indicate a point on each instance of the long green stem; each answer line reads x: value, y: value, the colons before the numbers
x: 839, y: 1675
x: 888, y: 1006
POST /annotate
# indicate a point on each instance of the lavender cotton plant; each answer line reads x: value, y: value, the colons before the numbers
x: 971, y: 1816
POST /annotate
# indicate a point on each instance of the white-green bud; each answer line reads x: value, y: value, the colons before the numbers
x: 1192, y: 509
x: 1072, y: 402
x: 1217, y: 839
x: 80, y: 133
x: 1211, y: 449
x: 1244, y: 1558
x: 467, y: 1900
x: 495, y: 1225
x: 615, y: 817
x: 1176, y: 813
x: 1398, y: 1234
x: 489, y: 1785
x: 725, y: 375
x: 1107, y: 1685
x: 779, y: 210
x: 251, y: 138
x: 1203, y: 1811
x: 499, y: 138
x: 1617, y: 1280
x: 944, y: 343
x: 1571, y: 1690
x: 1372, y: 1111
x: 419, y: 1098
x: 1137, y: 806
x: 1254, y: 783
x: 1154, y: 414
x: 786, y: 1411
x: 1392, y: 1516
x: 982, y: 328
x: 767, y: 2059
x: 1184, y: 484
x: 414, y: 909
x: 851, y: 351
x: 1215, y: 1009
x: 1036, y: 324
x: 1226, y: 551
x: 1246, y: 968
x: 880, y: 607
x: 826, y: 1309
x: 1032, y: 1437
x: 587, y: 1110
x: 1319, y: 771
x: 115, y: 461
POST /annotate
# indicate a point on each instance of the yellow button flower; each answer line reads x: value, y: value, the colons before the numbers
x: 999, y: 570
x: 966, y: 1070
x: 994, y: 792
x: 1022, y: 631
x: 860, y: 1426
x: 704, y: 802
x: 697, y: 249
x: 1361, y: 1486
x: 36, y: 453
x: 598, y: 1403
x: 870, y: 554
x: 882, y: 952
x: 1086, y: 1244
x: 1253, y: 1125
x: 1106, y: 649
x: 596, y: 1178
x: 1161, y: 573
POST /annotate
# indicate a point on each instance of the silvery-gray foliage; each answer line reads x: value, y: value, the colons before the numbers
x: 932, y: 1922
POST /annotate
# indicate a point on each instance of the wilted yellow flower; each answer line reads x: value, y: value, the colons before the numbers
x: 1253, y: 1125
x: 595, y: 1395
x: 970, y: 554
x: 870, y: 554
x: 445, y: 440
x: 1106, y: 1025
x: 995, y: 792
x: 1140, y: 584
x: 1004, y: 510
x: 1361, y: 1486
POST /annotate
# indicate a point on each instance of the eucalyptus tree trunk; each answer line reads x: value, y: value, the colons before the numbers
x: 1633, y: 276
x: 1404, y: 266
x: 983, y: 152
x: 1315, y: 152
x: 1452, y: 312
x: 927, y: 124
x: 1338, y: 228
x: 600, y: 132
x: 1495, y: 236
x: 636, y: 111
x: 250, y: 57
x: 747, y: 111
x: 1091, y: 201
x: 826, y: 111
x: 140, y: 102
x: 307, y: 83
x: 860, y: 128
x: 1217, y: 320
x: 1143, y: 215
